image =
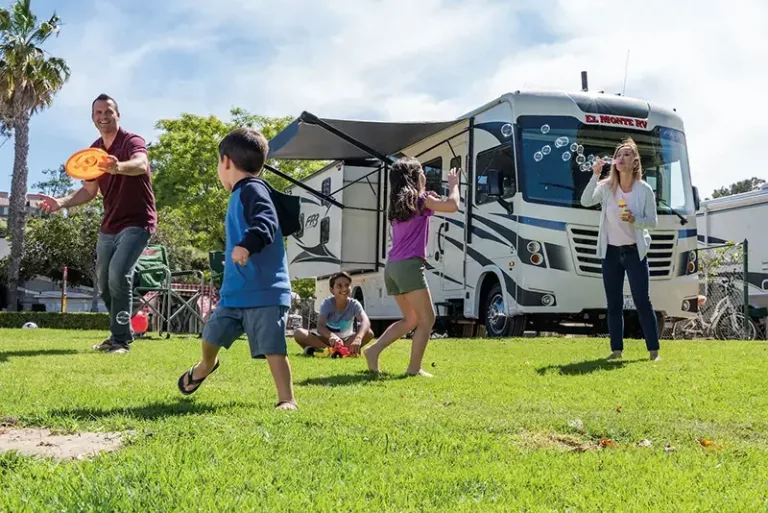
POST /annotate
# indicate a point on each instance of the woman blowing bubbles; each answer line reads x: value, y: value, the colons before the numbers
x: 628, y: 207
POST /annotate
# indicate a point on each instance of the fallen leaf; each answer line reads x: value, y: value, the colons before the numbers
x: 434, y: 364
x: 706, y: 443
x: 644, y: 443
x: 607, y: 443
x: 618, y: 408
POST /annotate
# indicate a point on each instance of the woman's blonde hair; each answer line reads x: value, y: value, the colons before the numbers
x: 613, y: 177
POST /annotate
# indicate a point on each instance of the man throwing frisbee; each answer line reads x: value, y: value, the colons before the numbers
x: 130, y: 216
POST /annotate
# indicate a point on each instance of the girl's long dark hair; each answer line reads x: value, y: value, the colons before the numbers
x: 404, y: 189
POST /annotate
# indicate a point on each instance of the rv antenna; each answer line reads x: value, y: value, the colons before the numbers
x: 584, y: 81
x: 626, y: 67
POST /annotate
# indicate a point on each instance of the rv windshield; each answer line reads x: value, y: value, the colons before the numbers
x: 550, y: 169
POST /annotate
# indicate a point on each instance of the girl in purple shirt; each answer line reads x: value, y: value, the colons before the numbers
x: 410, y: 206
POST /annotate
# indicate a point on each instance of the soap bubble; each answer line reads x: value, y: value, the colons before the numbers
x: 580, y: 149
x: 506, y: 129
x: 574, y: 147
x: 123, y: 318
x: 581, y: 159
x: 561, y: 141
x: 545, y: 129
x: 585, y: 168
x: 546, y: 150
x: 566, y: 156
x: 538, y: 156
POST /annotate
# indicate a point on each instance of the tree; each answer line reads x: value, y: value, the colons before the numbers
x: 747, y: 185
x: 29, y: 80
x: 55, y: 241
x: 186, y: 184
x: 58, y: 184
x: 185, y: 159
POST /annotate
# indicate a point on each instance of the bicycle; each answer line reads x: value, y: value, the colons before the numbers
x: 725, y: 322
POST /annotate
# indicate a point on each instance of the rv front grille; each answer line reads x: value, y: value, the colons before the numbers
x: 583, y: 240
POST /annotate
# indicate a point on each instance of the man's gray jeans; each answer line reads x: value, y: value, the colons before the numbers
x: 116, y: 257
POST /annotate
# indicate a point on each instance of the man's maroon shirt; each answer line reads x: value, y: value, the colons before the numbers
x: 128, y: 200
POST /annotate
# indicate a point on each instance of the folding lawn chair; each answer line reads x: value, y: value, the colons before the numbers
x: 154, y: 289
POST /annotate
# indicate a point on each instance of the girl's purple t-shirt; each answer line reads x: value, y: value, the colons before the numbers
x: 409, y: 238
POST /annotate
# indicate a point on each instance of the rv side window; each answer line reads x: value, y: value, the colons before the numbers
x: 501, y: 158
x: 325, y: 230
x: 326, y: 190
x: 434, y: 173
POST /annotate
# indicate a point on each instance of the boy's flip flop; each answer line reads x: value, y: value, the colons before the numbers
x: 278, y: 405
x: 195, y: 382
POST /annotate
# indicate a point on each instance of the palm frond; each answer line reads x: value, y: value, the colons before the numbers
x: 29, y: 78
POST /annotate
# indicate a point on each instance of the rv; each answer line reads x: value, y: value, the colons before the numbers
x: 520, y: 254
x: 737, y: 218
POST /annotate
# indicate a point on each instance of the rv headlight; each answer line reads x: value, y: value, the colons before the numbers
x: 547, y: 300
x: 534, y: 247
x: 537, y: 259
x: 692, y: 256
x: 686, y: 305
x: 691, y: 267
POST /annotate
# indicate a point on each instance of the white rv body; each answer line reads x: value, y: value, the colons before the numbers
x: 534, y: 267
x: 734, y: 219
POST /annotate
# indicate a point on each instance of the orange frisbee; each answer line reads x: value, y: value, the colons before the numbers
x: 84, y: 165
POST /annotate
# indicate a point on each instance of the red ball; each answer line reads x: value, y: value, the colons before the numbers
x: 140, y: 322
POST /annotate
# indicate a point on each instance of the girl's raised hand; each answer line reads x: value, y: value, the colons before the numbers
x: 453, y: 178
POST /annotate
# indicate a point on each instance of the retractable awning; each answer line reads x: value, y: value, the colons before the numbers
x: 311, y: 138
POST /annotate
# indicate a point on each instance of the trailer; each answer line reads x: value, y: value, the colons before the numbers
x: 737, y: 218
x: 520, y: 254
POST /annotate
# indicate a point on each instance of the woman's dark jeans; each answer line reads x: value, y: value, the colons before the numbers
x: 617, y: 261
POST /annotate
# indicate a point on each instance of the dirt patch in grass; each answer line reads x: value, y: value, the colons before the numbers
x: 556, y: 441
x: 42, y: 442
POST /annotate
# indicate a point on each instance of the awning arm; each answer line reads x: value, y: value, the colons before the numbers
x: 303, y: 186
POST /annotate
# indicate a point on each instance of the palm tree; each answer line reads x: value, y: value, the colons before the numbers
x: 29, y: 79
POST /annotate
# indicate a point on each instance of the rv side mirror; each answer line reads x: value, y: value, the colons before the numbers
x: 696, y: 199
x: 495, y: 183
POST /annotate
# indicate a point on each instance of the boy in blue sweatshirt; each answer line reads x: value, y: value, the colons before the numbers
x: 256, y: 290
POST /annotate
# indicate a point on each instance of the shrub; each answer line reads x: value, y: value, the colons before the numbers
x: 56, y: 320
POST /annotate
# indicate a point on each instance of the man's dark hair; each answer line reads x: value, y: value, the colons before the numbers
x: 104, y: 98
x: 338, y: 275
x: 247, y: 148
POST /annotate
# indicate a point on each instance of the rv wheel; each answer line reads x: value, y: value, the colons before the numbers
x: 496, y: 320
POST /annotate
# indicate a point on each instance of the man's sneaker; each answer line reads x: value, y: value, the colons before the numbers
x: 103, y: 346
x: 118, y: 348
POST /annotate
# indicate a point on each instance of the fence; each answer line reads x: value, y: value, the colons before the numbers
x: 723, y: 312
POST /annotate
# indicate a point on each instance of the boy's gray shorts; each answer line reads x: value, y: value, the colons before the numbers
x: 264, y: 326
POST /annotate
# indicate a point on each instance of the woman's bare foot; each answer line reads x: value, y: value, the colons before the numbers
x: 420, y: 372
x: 372, y: 358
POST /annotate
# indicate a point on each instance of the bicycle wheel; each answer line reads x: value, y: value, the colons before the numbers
x: 731, y: 327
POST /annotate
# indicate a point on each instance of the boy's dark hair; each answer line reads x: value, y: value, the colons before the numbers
x: 247, y: 148
x: 105, y: 98
x: 404, y: 189
x: 336, y: 276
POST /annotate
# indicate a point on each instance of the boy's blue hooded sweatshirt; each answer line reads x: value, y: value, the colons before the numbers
x: 251, y: 222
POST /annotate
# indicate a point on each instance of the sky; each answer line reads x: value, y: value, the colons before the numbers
x: 407, y: 60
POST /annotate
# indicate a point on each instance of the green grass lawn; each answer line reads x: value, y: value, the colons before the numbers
x: 491, y: 432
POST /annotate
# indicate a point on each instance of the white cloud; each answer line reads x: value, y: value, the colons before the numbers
x: 433, y: 59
